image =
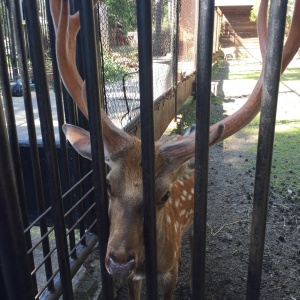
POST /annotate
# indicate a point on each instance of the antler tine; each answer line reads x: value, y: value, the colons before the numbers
x: 292, y: 43
x: 262, y: 27
x: 249, y: 110
x: 67, y: 27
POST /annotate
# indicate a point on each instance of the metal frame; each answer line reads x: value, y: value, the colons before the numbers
x: 83, y: 201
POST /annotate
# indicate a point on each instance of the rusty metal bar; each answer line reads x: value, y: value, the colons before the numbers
x: 271, y: 79
x: 203, y: 91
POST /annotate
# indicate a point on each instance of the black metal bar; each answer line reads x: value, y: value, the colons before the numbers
x: 95, y: 94
x: 69, y: 111
x: 15, y: 8
x: 15, y: 152
x: 72, y: 159
x: 276, y: 27
x: 176, y: 7
x: 84, y: 165
x: 53, y: 183
x: 38, y: 219
x: 204, y: 69
x: 82, y: 254
x: 144, y: 20
x: 15, y: 268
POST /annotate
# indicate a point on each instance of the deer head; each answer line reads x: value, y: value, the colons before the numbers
x: 174, y: 177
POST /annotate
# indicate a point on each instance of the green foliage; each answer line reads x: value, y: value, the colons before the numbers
x: 124, y: 11
x: 254, y: 11
x: 255, y: 8
x: 113, y: 71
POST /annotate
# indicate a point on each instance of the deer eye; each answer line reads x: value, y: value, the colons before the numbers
x: 108, y: 186
x: 165, y: 197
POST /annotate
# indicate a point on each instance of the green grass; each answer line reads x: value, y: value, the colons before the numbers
x: 285, y: 176
x: 245, y: 74
x: 285, y: 172
x: 291, y: 74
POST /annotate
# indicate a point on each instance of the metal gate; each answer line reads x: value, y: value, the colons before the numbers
x: 71, y: 211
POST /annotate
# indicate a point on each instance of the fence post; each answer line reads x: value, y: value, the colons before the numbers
x: 265, y: 145
x: 204, y: 69
x: 14, y: 263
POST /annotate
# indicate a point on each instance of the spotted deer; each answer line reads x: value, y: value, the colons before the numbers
x: 174, y: 174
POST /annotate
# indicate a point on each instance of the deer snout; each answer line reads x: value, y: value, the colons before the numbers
x: 120, y: 269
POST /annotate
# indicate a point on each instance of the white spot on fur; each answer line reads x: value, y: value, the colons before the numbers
x: 168, y: 219
x: 166, y: 277
x: 190, y: 197
x: 183, y: 212
x: 138, y: 277
x: 182, y: 198
x: 192, y: 190
x: 181, y: 182
x: 176, y: 225
x: 184, y: 192
x: 176, y: 203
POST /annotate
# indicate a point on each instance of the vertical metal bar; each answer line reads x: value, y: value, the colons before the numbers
x: 204, y: 69
x: 15, y: 268
x: 13, y: 53
x: 99, y: 170
x: 15, y: 8
x: 77, y: 158
x: 49, y: 147
x: 271, y: 79
x: 144, y: 21
x: 176, y: 10
x: 65, y: 173
x: 14, y: 146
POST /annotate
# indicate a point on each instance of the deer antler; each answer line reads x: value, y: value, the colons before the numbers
x: 67, y: 27
x: 249, y: 110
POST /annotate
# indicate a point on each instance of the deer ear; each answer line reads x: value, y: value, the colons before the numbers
x: 79, y: 139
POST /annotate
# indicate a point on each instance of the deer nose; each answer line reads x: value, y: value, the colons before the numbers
x: 120, y: 269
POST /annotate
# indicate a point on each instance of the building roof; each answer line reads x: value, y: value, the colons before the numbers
x: 234, y: 2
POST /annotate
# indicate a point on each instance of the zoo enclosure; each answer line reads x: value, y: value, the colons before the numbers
x: 67, y: 207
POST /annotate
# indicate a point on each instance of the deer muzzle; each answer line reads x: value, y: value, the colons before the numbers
x: 120, y: 269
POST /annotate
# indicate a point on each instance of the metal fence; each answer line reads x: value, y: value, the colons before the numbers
x: 64, y: 191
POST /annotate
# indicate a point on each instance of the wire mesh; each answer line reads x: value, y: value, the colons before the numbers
x: 187, y: 43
